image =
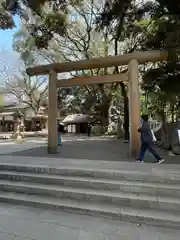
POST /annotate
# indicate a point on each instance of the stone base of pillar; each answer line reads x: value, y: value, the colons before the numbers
x: 52, y: 150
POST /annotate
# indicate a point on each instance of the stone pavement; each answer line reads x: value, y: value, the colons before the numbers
x: 8, y: 135
x: 9, y: 147
x: 73, y: 147
x: 93, y: 148
x: 23, y: 223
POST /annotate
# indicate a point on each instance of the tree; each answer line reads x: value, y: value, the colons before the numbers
x: 163, y: 78
x: 52, y: 17
x: 54, y: 21
x: 81, y: 40
x: 158, y: 21
x: 152, y: 24
x: 121, y: 18
x: 24, y: 44
x: 33, y: 93
x: 29, y: 91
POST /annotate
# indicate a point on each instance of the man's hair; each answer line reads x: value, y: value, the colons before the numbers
x: 145, y: 117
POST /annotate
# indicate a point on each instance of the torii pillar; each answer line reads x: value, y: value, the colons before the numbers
x: 134, y: 107
x: 52, y: 113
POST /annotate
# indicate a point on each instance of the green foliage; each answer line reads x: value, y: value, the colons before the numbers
x: 54, y: 18
x: 52, y: 13
x: 157, y: 25
x: 124, y: 26
x: 165, y: 77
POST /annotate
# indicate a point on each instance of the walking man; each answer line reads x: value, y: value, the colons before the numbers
x: 147, y: 141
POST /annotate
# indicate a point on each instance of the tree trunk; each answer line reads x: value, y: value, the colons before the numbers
x: 105, y: 115
x: 126, y: 111
x: 164, y: 132
x: 124, y: 95
x: 172, y: 113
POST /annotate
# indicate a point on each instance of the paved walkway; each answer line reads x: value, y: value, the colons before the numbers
x: 93, y: 148
x: 23, y: 223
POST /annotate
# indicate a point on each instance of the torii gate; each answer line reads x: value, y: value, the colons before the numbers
x: 132, y: 60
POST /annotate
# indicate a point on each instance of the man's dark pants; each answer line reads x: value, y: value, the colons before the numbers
x: 148, y: 146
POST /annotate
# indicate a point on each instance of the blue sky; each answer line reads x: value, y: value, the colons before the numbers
x: 7, y: 56
x: 6, y: 36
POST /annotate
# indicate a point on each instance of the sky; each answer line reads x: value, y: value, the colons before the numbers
x: 7, y: 56
x: 6, y: 36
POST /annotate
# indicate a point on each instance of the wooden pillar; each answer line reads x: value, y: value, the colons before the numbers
x: 134, y: 107
x: 52, y: 113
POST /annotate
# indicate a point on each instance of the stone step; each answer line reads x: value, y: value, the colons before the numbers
x: 111, y: 174
x: 153, y: 189
x: 141, y: 201
x: 156, y: 218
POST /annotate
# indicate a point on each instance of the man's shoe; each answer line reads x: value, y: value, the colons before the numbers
x: 160, y: 161
x: 139, y: 161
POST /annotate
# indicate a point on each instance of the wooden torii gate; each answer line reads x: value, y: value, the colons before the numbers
x: 132, y: 60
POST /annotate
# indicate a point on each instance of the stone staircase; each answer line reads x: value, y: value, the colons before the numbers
x: 146, y: 197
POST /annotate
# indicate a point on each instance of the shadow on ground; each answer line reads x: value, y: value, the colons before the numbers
x: 107, y: 149
x: 95, y: 149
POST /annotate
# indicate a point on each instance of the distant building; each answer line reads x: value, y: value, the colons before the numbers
x: 77, y: 123
x: 13, y: 114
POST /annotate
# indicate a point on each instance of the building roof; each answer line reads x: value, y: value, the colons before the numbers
x: 76, y: 118
x: 3, y: 114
